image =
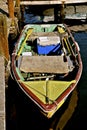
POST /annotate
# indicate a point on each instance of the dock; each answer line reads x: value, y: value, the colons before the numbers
x: 2, y: 95
x: 51, y: 2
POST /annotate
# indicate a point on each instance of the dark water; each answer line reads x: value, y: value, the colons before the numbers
x: 23, y: 115
x: 78, y: 120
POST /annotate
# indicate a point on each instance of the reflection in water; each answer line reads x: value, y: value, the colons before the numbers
x: 40, y: 16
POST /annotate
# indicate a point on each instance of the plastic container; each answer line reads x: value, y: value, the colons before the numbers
x: 48, y: 45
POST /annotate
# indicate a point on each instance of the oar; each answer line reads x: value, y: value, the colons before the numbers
x: 41, y: 77
x: 62, y: 31
x: 68, y: 45
x: 28, y: 33
x: 71, y: 50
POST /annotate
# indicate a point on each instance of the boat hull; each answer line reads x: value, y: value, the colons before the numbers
x: 48, y: 92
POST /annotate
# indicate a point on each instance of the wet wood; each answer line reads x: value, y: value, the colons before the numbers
x: 4, y: 49
x: 17, y: 3
x: 11, y: 8
x: 17, y: 9
x: 44, y: 64
x: 2, y: 95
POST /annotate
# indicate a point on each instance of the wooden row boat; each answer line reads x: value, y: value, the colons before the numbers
x: 46, y: 64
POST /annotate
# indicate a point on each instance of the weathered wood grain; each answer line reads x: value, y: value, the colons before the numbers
x: 2, y: 94
x: 44, y: 64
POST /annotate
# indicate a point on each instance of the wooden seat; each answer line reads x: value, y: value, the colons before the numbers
x: 44, y: 64
x: 35, y: 35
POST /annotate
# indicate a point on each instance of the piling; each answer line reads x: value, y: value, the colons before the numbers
x: 17, y: 9
x: 4, y: 48
x: 62, y: 12
x: 17, y: 3
x: 11, y: 8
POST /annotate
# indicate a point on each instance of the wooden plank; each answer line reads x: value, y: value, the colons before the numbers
x: 35, y: 35
x: 44, y: 64
x: 2, y: 94
x: 46, y: 2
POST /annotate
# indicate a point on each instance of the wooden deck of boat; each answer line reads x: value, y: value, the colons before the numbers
x: 44, y: 64
x: 2, y: 95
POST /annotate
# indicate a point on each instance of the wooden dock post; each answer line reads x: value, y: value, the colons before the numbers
x: 17, y: 3
x: 62, y: 13
x: 4, y: 48
x: 17, y: 9
x: 11, y: 8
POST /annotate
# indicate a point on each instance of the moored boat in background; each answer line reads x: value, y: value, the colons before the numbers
x: 46, y: 64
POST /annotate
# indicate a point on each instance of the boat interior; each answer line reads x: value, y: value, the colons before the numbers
x: 38, y: 58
